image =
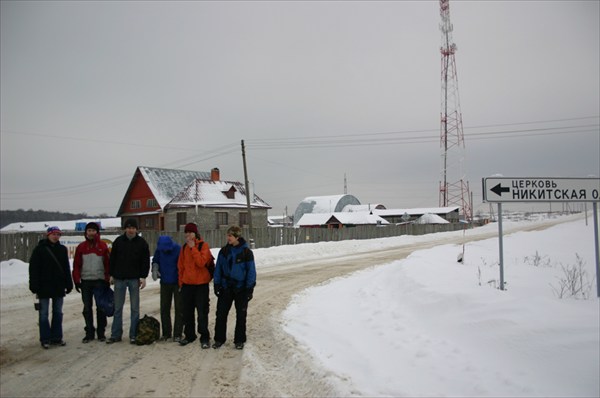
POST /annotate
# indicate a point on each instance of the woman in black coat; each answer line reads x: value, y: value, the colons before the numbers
x: 50, y: 278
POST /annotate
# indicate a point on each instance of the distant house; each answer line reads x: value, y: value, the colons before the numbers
x: 397, y: 216
x: 280, y: 221
x: 364, y: 208
x: 167, y: 199
x: 339, y: 220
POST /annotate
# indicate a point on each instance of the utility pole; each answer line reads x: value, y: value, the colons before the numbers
x: 248, y: 200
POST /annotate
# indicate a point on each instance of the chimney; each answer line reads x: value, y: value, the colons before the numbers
x: 214, y: 174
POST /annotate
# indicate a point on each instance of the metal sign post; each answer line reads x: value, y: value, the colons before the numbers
x: 501, y: 246
x: 596, y: 243
x: 543, y: 189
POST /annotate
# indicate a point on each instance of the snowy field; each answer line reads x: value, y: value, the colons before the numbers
x: 430, y: 326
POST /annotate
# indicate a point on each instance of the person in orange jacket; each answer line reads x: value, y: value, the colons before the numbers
x: 194, y: 278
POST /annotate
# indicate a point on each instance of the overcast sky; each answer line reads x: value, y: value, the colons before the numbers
x: 318, y: 91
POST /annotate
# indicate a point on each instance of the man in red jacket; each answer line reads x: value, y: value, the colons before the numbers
x: 90, y: 270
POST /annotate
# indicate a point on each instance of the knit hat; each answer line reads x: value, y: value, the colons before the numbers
x: 191, y: 227
x: 234, y: 231
x: 92, y: 225
x: 131, y: 222
x: 53, y: 230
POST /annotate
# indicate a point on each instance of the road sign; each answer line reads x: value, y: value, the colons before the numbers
x: 544, y: 189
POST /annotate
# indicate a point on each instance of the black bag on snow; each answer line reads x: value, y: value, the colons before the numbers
x: 148, y: 330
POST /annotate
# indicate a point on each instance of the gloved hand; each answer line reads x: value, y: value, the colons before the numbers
x: 249, y: 293
x: 218, y: 290
x: 78, y: 287
x: 155, y: 272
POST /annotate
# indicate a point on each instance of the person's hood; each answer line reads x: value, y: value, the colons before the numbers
x: 242, y: 242
x: 165, y: 243
x: 96, y: 238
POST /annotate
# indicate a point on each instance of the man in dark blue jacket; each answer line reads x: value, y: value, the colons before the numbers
x: 50, y: 278
x: 129, y: 266
x: 234, y: 281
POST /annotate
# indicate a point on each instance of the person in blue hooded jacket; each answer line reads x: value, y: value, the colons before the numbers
x: 234, y: 281
x: 164, y: 266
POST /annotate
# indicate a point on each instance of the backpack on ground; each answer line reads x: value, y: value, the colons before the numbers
x: 148, y: 330
x: 210, y: 264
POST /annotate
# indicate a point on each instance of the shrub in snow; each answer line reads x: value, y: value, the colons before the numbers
x: 537, y: 260
x: 574, y: 283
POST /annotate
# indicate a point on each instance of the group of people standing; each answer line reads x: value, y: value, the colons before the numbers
x: 184, y: 272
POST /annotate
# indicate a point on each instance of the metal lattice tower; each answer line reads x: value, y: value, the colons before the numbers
x: 454, y: 188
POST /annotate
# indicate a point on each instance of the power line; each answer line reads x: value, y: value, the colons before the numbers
x: 326, y: 142
x: 108, y: 182
x: 305, y: 142
x: 258, y: 140
x: 321, y: 136
x: 95, y: 140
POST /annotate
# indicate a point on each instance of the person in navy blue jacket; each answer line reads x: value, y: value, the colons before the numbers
x: 234, y: 281
x: 164, y: 267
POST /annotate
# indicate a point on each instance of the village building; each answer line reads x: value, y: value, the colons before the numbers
x: 397, y: 216
x: 167, y: 199
x: 339, y: 220
x: 336, y: 211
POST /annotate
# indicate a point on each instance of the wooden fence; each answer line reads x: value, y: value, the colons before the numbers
x: 20, y: 245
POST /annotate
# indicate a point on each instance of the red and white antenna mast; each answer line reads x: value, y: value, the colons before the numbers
x: 454, y: 188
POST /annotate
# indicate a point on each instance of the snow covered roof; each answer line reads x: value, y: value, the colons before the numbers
x: 209, y: 193
x: 41, y: 226
x: 279, y: 220
x: 341, y: 217
x: 429, y: 218
x: 368, y: 207
x: 415, y: 211
x: 166, y: 183
x: 324, y: 204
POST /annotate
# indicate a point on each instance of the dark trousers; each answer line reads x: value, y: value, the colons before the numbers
x: 87, y: 296
x: 169, y: 293
x: 195, y: 298
x: 224, y: 302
